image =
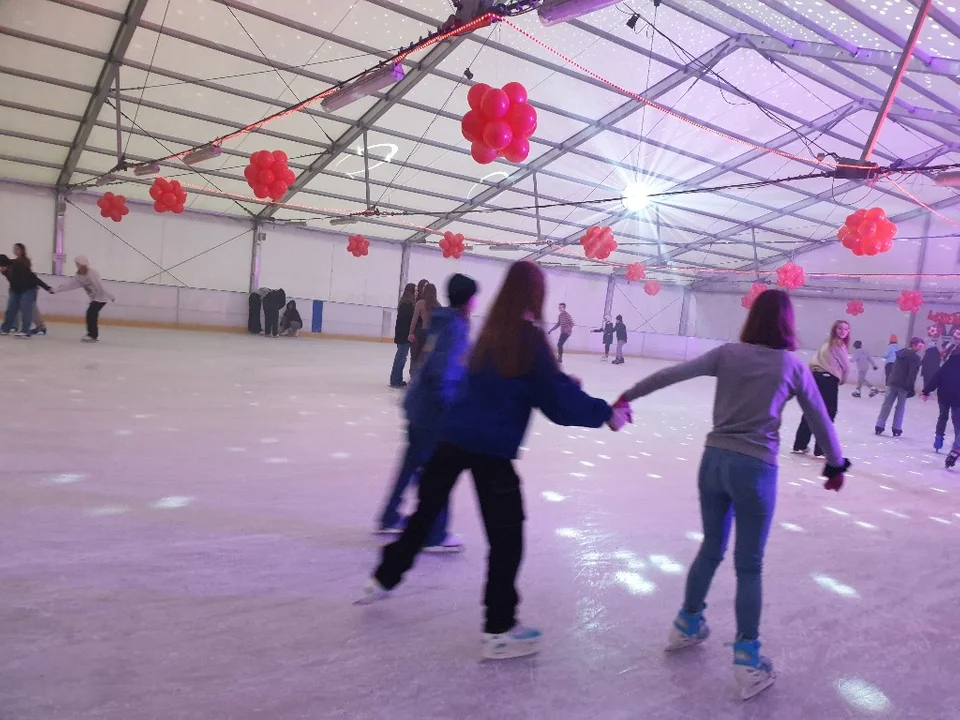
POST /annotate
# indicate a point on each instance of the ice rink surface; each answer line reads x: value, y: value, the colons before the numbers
x: 185, y: 520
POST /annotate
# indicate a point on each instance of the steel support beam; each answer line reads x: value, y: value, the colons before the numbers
x: 404, y: 268
x: 921, y: 261
x: 256, y: 252
x: 128, y: 26
x: 898, y: 73
x: 684, y: 329
x: 615, y: 116
x: 58, y: 228
x: 608, y: 300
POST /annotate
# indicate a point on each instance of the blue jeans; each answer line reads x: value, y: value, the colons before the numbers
x: 733, y: 485
x: 21, y: 303
x: 421, y: 443
x: 399, y: 361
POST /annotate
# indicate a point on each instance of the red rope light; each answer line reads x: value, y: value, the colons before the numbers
x: 921, y: 203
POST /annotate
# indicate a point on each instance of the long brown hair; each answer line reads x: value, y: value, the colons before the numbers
x: 770, y: 322
x: 24, y: 258
x: 420, y: 286
x: 508, y: 340
x: 409, y: 294
x: 833, y: 333
x: 429, y: 297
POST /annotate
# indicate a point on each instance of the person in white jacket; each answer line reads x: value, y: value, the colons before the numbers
x: 89, y: 279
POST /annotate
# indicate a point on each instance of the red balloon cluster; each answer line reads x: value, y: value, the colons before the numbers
x: 499, y: 123
x: 598, y: 243
x: 651, y: 287
x: 855, y: 307
x: 636, y: 271
x: 867, y: 232
x: 452, y: 245
x: 167, y: 195
x: 956, y: 334
x: 910, y: 300
x: 268, y: 174
x: 358, y: 245
x: 113, y: 206
x: 933, y: 332
x: 755, y: 290
x: 790, y: 276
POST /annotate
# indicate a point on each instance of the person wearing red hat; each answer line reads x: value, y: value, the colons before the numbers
x: 889, y: 358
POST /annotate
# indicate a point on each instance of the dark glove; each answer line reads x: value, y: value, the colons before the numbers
x: 911, y: 393
x: 834, y: 475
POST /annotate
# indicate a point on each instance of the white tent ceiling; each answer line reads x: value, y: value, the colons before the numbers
x: 798, y: 77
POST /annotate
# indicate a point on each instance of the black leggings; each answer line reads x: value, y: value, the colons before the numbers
x: 560, y: 343
x: 829, y: 386
x: 501, y: 504
x: 93, y: 317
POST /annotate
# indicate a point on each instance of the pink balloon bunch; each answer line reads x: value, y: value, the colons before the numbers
x: 790, y: 276
x: 855, y: 307
x: 268, y: 174
x: 933, y: 332
x: 867, y: 232
x: 636, y: 272
x: 747, y: 300
x: 956, y: 334
x: 358, y: 245
x: 167, y: 195
x: 499, y: 123
x: 910, y: 300
x: 651, y: 287
x: 113, y: 206
x: 452, y: 245
x: 598, y: 242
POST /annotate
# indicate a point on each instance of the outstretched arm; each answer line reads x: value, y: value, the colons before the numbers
x: 706, y: 364
x: 71, y: 284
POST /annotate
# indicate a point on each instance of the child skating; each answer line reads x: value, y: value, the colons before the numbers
x: 864, y: 362
x: 621, y: 332
x: 756, y: 378
x: 946, y: 383
x: 900, y: 387
x: 89, y: 279
x: 607, y: 330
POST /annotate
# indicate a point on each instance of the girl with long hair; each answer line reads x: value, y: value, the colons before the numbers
x: 512, y: 370
x: 426, y: 303
x: 401, y: 332
x: 738, y: 473
x: 830, y: 366
x: 22, y: 300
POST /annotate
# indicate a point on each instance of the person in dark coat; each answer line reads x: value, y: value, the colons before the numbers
x: 607, y: 330
x: 620, y: 329
x: 23, y: 294
x: 254, y: 327
x: 291, y: 323
x: 902, y: 385
x: 930, y: 363
x: 401, y: 332
x: 946, y: 383
x: 273, y: 301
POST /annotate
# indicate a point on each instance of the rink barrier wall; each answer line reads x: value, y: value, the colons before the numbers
x: 182, y: 308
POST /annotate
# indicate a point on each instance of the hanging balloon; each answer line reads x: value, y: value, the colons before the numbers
x: 933, y: 332
x: 499, y: 123
x: 867, y: 232
x: 790, y: 276
x: 113, y: 206
x: 268, y: 174
x: 518, y: 150
x: 452, y: 245
x: 855, y: 307
x: 358, y: 245
x: 483, y: 153
x: 755, y: 290
x: 598, y: 243
x: 168, y: 195
x: 636, y: 272
x: 910, y: 300
x: 651, y: 287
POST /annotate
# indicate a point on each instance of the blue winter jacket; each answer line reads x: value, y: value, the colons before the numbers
x: 493, y: 411
x: 438, y: 380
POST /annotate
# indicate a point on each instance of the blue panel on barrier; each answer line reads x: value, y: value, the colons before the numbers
x: 317, y: 324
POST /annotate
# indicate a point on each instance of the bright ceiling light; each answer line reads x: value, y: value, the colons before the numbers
x: 635, y: 197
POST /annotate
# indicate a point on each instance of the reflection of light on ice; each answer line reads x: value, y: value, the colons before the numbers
x: 636, y: 564
x: 936, y: 489
x: 551, y: 496
x: 791, y: 482
x: 939, y: 519
x: 666, y: 565
x: 862, y: 694
x: 868, y: 526
x: 277, y: 460
x: 791, y: 527
x: 167, y: 503
x: 825, y: 581
x: 695, y: 536
x: 568, y: 533
x: 67, y: 478
x: 339, y: 455
x: 586, y: 463
x: 635, y: 583
x: 884, y: 487
x: 578, y: 475
x: 623, y: 555
x: 236, y: 449
x: 896, y: 514
x: 108, y: 510
x: 834, y: 510
x: 654, y: 476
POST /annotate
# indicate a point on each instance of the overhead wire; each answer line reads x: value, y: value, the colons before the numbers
x: 153, y: 56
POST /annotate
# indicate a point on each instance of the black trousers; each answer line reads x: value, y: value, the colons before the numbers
x: 943, y: 417
x: 887, y: 369
x: 93, y: 316
x: 560, y: 343
x: 501, y: 504
x: 829, y: 387
x: 271, y: 319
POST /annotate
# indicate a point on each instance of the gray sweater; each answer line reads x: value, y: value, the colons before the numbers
x: 92, y: 285
x: 753, y: 385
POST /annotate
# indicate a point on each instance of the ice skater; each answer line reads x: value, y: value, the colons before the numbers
x: 621, y: 332
x: 946, y: 383
x: 929, y: 363
x: 23, y: 294
x: 738, y: 473
x: 889, y: 358
x: 273, y: 301
x: 401, y: 332
x: 565, y: 323
x: 901, y: 386
x: 863, y: 361
x: 511, y: 371
x: 830, y: 366
x: 435, y: 386
x: 89, y: 279
x: 291, y: 323
x: 426, y: 303
x: 607, y: 330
